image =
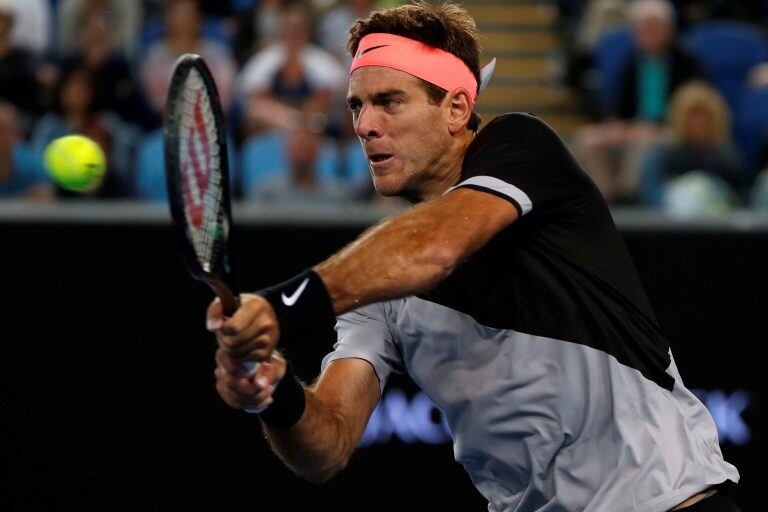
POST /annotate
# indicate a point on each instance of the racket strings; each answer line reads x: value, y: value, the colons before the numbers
x: 200, y: 169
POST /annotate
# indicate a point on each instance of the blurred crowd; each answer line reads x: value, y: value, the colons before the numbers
x: 679, y: 96
x: 102, y: 68
x: 677, y: 91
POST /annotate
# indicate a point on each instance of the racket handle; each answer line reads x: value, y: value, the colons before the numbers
x: 252, y: 366
x: 229, y: 301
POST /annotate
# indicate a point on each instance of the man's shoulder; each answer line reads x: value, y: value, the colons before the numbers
x: 513, y: 131
x: 515, y: 119
x: 512, y: 126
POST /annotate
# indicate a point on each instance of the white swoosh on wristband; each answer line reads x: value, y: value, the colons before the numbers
x: 291, y: 300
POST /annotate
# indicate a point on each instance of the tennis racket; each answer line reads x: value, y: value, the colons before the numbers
x: 197, y: 174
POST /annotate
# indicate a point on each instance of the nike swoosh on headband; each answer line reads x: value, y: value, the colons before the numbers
x: 363, y: 52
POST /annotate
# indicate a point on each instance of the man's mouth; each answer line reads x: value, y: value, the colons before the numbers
x: 379, y: 158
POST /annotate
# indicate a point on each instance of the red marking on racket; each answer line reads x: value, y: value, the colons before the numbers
x: 196, y: 170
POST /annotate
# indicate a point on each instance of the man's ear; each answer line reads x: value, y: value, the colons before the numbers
x: 459, y: 110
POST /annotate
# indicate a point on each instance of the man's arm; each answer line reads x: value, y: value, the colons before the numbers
x: 337, y: 410
x: 401, y: 256
x: 413, y: 251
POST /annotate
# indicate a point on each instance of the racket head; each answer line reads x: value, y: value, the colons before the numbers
x: 197, y: 174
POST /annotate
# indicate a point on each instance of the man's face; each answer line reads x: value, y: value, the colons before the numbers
x: 183, y: 17
x: 654, y: 34
x: 403, y: 135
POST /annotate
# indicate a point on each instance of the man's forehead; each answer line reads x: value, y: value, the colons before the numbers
x: 372, y: 80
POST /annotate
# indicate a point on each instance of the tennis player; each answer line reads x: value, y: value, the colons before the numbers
x: 505, y: 292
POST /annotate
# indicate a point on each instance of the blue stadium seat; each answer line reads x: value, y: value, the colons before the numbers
x: 612, y: 52
x: 264, y: 158
x: 751, y: 125
x: 150, y: 168
x: 727, y: 51
x: 213, y: 28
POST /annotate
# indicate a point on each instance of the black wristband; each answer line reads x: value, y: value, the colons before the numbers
x: 301, y: 304
x: 289, y: 402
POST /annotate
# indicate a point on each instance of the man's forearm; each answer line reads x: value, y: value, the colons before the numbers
x: 316, y: 447
x: 392, y: 259
x: 413, y: 251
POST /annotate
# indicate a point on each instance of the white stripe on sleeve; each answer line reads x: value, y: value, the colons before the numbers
x: 502, y: 187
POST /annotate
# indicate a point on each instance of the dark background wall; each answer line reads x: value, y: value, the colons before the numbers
x: 106, y: 383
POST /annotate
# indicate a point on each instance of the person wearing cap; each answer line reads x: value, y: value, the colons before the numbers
x: 505, y: 292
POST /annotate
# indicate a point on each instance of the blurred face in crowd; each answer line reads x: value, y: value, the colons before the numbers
x: 360, y: 7
x: 653, y: 33
x: 98, y: 26
x: 6, y: 24
x: 296, y: 27
x: 183, y: 18
x: 303, y: 149
x: 77, y: 93
x: 405, y: 137
x: 698, y: 127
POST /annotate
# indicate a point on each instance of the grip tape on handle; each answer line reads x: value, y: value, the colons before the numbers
x: 252, y: 366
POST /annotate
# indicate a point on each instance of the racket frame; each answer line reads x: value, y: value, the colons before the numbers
x: 219, y: 276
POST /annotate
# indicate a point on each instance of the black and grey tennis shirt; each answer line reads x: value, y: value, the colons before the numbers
x: 558, y: 387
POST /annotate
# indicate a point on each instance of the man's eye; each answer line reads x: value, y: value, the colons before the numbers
x: 354, y: 107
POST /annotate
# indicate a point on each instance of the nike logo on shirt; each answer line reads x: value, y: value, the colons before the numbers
x: 291, y: 300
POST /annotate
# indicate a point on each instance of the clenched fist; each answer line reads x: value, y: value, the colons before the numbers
x: 251, y: 334
x: 239, y: 389
x: 248, y: 337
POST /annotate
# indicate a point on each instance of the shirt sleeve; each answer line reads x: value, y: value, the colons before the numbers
x: 521, y: 159
x: 365, y: 334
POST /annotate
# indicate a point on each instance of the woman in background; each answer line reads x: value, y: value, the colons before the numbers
x: 698, y: 139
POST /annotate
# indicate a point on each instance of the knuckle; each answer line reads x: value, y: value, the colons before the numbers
x: 229, y: 341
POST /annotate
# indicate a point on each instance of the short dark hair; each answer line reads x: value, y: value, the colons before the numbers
x: 446, y: 26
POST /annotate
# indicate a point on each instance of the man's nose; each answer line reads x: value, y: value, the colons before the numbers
x: 367, y: 125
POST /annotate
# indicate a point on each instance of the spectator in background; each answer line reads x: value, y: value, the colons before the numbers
x: 127, y: 17
x: 115, y: 88
x: 75, y: 111
x: 597, y: 19
x: 298, y: 167
x: 611, y: 151
x: 334, y: 26
x: 699, y: 139
x: 291, y: 81
x: 658, y: 67
x: 18, y: 81
x: 33, y: 26
x: 257, y: 26
x: 183, y: 23
x: 21, y: 174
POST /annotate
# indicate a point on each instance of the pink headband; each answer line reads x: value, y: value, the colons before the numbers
x: 433, y: 65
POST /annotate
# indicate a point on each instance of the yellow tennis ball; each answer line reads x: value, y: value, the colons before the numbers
x: 75, y: 162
